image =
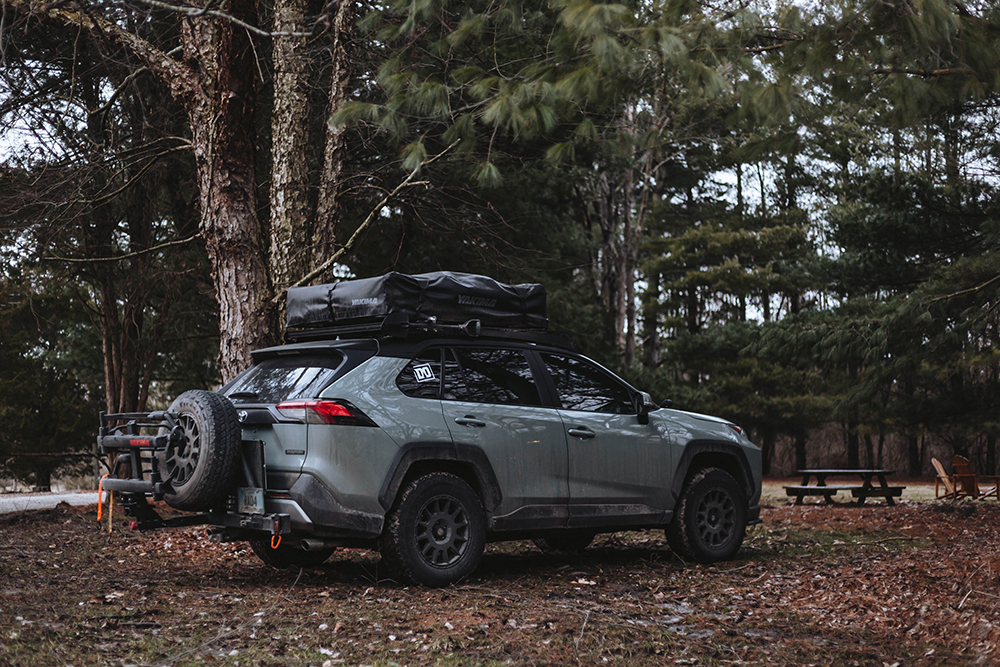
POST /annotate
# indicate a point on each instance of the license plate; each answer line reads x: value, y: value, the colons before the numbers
x: 250, y: 501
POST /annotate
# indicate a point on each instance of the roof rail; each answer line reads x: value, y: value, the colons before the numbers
x: 398, y: 325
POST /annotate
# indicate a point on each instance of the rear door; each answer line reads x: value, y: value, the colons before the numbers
x: 491, y: 401
x: 618, y: 469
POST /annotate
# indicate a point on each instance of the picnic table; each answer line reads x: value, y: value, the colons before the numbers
x: 861, y: 492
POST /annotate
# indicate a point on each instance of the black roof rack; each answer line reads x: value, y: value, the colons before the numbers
x: 398, y: 325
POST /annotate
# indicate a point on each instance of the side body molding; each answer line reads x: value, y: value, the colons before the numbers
x: 420, y: 453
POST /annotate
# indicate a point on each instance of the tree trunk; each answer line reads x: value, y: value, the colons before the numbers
x: 650, y: 326
x: 800, y: 451
x: 991, y: 454
x: 335, y: 146
x: 913, y: 449
x: 110, y: 329
x: 220, y: 113
x: 853, y: 444
x: 289, y: 147
x: 767, y: 441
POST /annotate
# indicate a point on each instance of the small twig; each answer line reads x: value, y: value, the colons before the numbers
x: 737, y: 569
x: 577, y: 641
x: 888, y: 539
x: 962, y: 603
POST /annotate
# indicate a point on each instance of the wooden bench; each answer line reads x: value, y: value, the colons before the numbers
x: 874, y: 484
x: 886, y: 492
x: 801, y: 492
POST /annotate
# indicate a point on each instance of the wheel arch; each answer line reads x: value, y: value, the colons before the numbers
x: 701, y: 454
x: 464, y: 461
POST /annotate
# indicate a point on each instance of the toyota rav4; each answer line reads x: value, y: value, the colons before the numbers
x: 429, y: 443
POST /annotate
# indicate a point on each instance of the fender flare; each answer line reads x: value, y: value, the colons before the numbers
x: 468, y: 456
x: 738, y: 465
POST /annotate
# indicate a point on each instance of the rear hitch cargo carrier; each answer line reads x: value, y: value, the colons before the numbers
x: 122, y: 434
x: 137, y: 475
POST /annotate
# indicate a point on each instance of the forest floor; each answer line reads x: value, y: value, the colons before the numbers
x: 914, y: 584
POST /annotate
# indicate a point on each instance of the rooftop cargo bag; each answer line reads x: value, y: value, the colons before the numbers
x: 443, y: 297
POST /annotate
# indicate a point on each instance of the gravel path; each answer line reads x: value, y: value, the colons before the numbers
x: 19, y: 502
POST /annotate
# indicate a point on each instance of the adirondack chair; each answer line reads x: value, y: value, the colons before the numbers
x: 967, y: 482
x: 944, y: 484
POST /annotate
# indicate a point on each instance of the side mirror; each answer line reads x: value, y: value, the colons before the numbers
x: 641, y: 406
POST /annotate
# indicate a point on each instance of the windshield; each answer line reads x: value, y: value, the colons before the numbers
x: 286, y: 378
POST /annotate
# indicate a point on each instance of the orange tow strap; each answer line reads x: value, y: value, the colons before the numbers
x: 275, y: 544
x: 100, y: 497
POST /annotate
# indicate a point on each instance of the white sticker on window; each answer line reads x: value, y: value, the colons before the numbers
x: 424, y: 373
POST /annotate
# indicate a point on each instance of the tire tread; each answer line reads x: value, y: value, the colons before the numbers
x: 218, y: 465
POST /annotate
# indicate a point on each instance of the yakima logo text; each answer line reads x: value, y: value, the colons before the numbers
x: 479, y: 301
x: 369, y: 301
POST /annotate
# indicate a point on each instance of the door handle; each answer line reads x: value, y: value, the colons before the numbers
x: 582, y: 432
x: 469, y: 420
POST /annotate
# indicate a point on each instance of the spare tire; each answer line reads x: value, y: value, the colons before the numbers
x: 202, y: 465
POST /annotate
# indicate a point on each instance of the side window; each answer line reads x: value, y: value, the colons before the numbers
x: 422, y: 377
x: 584, y: 387
x: 489, y: 376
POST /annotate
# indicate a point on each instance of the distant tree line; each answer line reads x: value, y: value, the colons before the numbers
x: 783, y: 213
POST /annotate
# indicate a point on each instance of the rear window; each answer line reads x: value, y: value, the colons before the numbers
x: 286, y: 378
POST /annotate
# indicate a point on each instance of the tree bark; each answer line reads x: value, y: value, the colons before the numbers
x: 219, y: 97
x: 290, y: 210
x: 335, y: 146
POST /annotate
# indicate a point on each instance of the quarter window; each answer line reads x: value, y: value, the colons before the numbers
x: 422, y: 377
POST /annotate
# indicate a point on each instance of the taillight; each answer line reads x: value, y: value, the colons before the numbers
x: 324, y: 412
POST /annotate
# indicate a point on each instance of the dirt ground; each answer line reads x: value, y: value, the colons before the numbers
x: 915, y: 584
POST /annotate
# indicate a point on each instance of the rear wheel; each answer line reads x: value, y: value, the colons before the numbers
x: 710, y: 520
x: 436, y: 531
x: 286, y: 556
x: 202, y: 465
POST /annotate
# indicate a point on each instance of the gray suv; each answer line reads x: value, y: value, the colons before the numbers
x: 426, y: 446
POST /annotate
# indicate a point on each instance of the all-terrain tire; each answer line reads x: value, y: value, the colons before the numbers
x: 204, y: 465
x: 436, y: 531
x: 287, y: 556
x: 710, y: 520
x: 565, y: 541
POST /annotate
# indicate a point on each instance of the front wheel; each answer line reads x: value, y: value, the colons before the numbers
x: 436, y: 531
x: 710, y: 520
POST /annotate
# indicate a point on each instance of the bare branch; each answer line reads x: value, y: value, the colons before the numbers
x: 406, y: 183
x: 118, y: 258
x: 971, y: 290
x: 925, y: 73
x: 162, y: 64
x: 206, y: 10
